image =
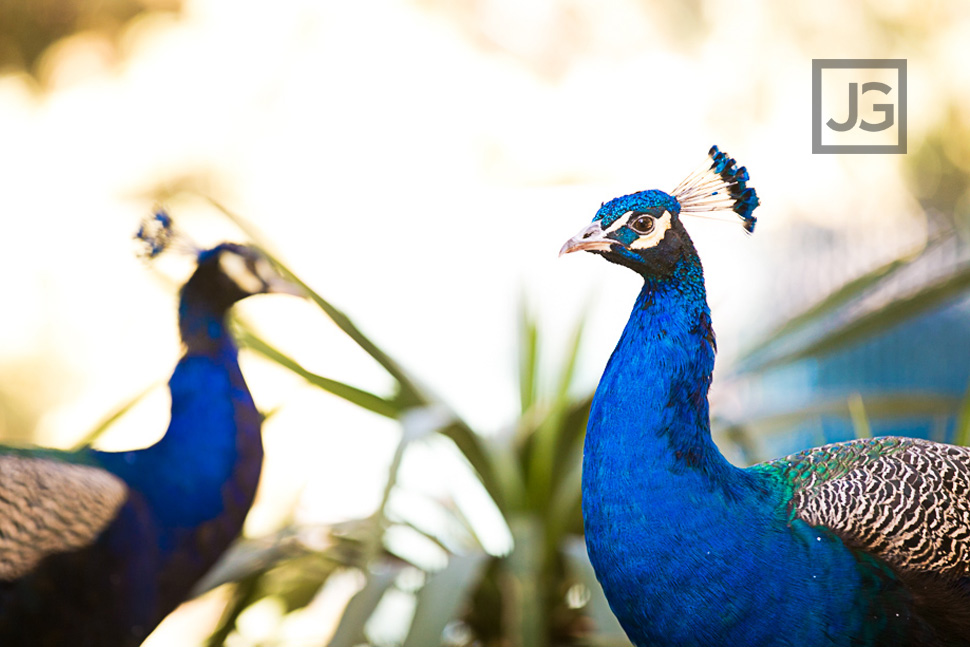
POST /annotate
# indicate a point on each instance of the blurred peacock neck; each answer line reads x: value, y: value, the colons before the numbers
x: 202, y: 321
x: 199, y: 480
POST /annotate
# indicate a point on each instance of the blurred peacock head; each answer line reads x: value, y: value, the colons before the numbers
x: 225, y: 274
x: 230, y: 272
x: 643, y: 230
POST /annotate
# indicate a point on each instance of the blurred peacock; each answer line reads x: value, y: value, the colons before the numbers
x: 861, y: 543
x: 96, y: 548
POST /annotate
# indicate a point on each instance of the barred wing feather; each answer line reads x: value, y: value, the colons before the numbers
x: 904, y: 500
x: 48, y: 506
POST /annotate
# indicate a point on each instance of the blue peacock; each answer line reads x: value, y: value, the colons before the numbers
x: 96, y: 548
x: 858, y: 543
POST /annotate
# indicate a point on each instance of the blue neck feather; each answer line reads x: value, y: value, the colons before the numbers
x: 203, y: 329
x: 656, y: 384
x: 203, y: 473
x: 690, y: 549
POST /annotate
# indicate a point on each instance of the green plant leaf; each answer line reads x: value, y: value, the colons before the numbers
x: 843, y: 295
x: 563, y: 512
x: 508, y: 473
x: 565, y: 507
x: 523, y: 600
x: 440, y: 599
x: 471, y: 446
x: 545, y: 469
x: 244, y: 594
x: 878, y: 405
x: 857, y: 413
x: 361, y: 398
x: 741, y: 438
x: 528, y: 358
x: 569, y: 447
x: 410, y: 393
x: 962, y: 433
x: 246, y: 558
x: 298, y: 582
x: 350, y: 630
x: 114, y: 416
x: 954, y: 285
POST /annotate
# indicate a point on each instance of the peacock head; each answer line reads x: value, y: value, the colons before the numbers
x: 643, y: 230
x: 230, y: 272
x: 224, y: 274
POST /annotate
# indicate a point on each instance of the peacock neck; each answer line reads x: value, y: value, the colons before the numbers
x: 201, y: 476
x: 659, y: 499
x: 650, y: 415
x: 212, y: 409
x: 202, y: 327
x: 679, y: 538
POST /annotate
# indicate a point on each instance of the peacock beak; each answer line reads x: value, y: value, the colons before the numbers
x: 592, y: 238
x: 273, y: 281
x: 279, y: 285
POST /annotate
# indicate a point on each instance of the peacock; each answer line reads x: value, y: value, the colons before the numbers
x: 859, y: 543
x: 96, y: 548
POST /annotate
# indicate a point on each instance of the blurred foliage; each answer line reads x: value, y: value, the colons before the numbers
x: 16, y: 421
x: 849, y: 318
x: 806, y: 335
x: 25, y: 393
x: 28, y: 28
x: 551, y: 37
x: 939, y: 170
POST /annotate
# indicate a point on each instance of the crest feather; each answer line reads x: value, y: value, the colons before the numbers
x: 157, y: 233
x: 719, y: 184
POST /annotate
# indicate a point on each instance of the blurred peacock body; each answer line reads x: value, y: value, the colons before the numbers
x: 96, y: 548
x: 858, y: 543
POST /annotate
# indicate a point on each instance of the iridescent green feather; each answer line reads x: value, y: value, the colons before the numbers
x: 818, y: 465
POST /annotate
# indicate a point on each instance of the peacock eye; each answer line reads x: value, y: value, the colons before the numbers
x: 642, y: 224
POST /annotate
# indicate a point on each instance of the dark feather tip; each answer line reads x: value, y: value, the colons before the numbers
x: 719, y: 185
x: 156, y: 234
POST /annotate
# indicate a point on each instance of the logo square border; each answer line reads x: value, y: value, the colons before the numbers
x: 819, y: 64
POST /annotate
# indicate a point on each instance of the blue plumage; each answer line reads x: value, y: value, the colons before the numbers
x: 96, y: 548
x: 836, y: 546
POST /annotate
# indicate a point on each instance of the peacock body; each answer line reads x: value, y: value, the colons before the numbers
x: 96, y: 548
x: 858, y: 543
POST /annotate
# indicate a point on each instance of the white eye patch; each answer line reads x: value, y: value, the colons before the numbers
x: 619, y: 222
x: 239, y: 272
x: 652, y: 238
x: 265, y: 270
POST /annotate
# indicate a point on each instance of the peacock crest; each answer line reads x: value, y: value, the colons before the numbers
x: 157, y: 233
x: 718, y: 184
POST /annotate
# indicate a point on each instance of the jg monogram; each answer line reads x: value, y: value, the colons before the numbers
x: 889, y: 111
x: 850, y: 122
